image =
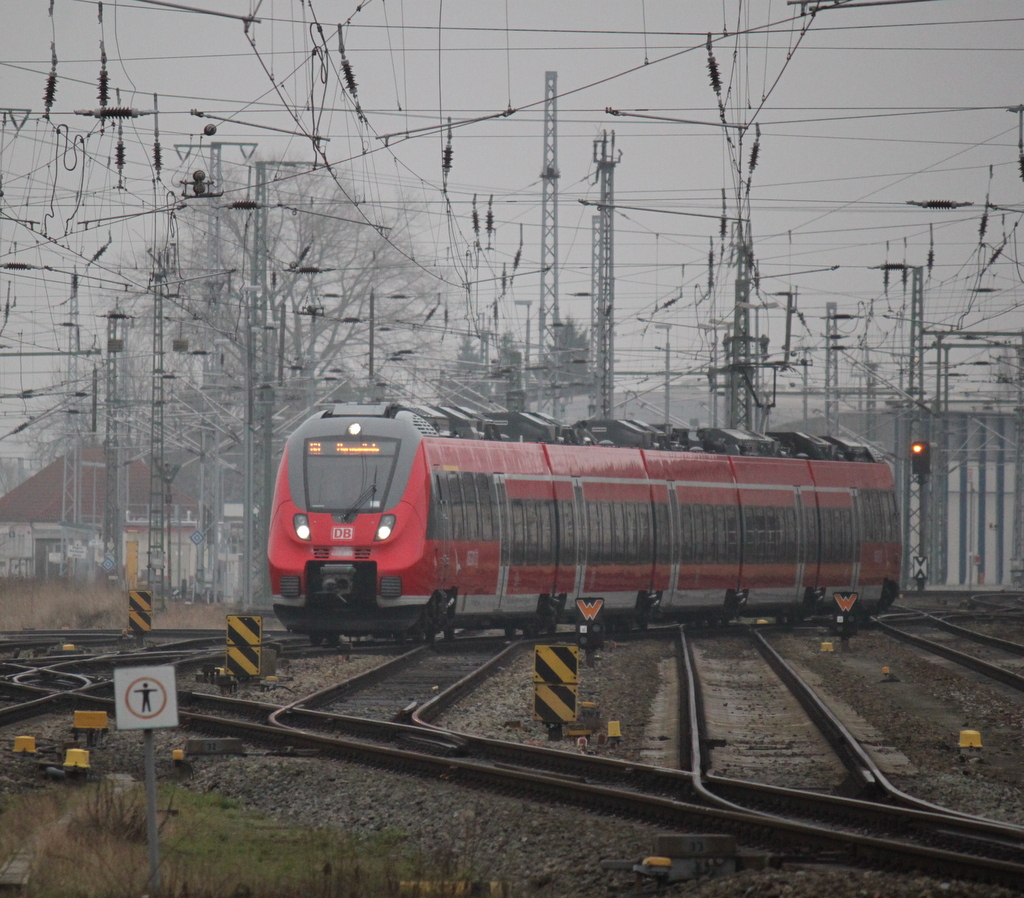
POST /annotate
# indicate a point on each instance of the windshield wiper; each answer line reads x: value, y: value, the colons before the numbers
x: 368, y: 493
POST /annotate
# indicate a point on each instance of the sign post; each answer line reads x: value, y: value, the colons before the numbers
x: 845, y: 621
x: 146, y: 698
x: 589, y: 627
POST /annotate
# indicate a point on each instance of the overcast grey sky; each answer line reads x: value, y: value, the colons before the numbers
x: 860, y: 110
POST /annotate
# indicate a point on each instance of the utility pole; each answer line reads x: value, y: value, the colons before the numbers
x: 550, y: 340
x: 603, y: 278
x: 209, y: 575
x: 668, y: 361
x: 113, y: 514
x: 740, y: 370
x: 1017, y: 562
x: 831, y: 368
x: 259, y: 408
x: 913, y: 425
x: 155, y: 553
x: 71, y: 499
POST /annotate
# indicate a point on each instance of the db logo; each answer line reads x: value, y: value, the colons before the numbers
x: 343, y: 533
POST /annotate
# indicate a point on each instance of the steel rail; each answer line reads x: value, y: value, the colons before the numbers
x: 753, y: 826
x: 992, y: 671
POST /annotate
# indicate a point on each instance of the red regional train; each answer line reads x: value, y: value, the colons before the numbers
x: 381, y: 526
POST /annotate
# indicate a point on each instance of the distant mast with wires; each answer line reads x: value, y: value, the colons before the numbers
x: 550, y: 338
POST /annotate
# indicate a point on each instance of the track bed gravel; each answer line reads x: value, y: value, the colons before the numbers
x: 917, y: 713
x: 544, y: 850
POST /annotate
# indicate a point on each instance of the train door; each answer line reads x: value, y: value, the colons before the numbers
x: 670, y: 543
x: 441, y: 529
x: 582, y: 536
x: 806, y: 541
x: 504, y: 536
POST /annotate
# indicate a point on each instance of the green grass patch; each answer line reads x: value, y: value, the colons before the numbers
x: 90, y: 842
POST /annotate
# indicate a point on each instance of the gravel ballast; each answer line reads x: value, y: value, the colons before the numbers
x: 541, y: 849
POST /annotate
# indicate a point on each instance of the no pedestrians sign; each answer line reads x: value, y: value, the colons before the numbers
x: 145, y: 698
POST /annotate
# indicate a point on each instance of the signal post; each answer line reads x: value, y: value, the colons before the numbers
x: 921, y: 467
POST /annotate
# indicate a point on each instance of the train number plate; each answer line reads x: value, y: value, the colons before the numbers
x: 343, y: 533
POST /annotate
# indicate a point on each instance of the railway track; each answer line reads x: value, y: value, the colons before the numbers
x: 787, y: 822
x: 780, y: 819
x: 996, y: 658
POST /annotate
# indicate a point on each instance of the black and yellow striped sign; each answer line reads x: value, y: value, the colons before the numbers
x: 140, y: 610
x: 244, y: 645
x: 554, y: 702
x: 556, y: 664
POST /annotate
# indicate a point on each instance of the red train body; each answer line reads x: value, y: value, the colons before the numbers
x: 381, y: 527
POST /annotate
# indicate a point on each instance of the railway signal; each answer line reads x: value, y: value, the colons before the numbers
x: 921, y: 458
x: 589, y: 624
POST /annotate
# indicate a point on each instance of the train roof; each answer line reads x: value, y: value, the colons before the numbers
x: 536, y: 427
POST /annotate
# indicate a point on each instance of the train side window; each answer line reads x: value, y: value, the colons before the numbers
x: 753, y: 533
x: 660, y: 535
x: 703, y: 522
x: 729, y: 533
x: 592, y: 532
x: 517, y: 515
x: 627, y: 535
x: 773, y: 532
x: 607, y: 532
x: 566, y: 533
x: 789, y: 548
x: 645, y: 531
x: 810, y: 532
x: 721, y: 533
x: 457, y: 506
x: 611, y: 543
x: 485, y: 500
x: 688, y: 518
x: 828, y: 541
x: 537, y: 511
x: 547, y: 532
x: 434, y: 512
x: 713, y: 549
x: 622, y: 532
x: 471, y: 506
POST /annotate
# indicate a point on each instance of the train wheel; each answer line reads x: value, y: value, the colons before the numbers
x: 333, y: 640
x: 510, y: 632
x: 316, y: 639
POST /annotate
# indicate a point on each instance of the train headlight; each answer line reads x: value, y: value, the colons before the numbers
x: 301, y: 524
x: 386, y: 525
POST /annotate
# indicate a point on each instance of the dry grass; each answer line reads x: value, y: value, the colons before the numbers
x: 91, y: 843
x: 51, y: 605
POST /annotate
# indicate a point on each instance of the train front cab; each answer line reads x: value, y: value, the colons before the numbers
x: 346, y: 551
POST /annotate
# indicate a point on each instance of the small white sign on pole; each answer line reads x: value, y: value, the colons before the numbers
x: 145, y: 698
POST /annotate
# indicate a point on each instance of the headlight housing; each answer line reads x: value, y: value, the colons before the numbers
x: 385, y: 527
x: 301, y: 524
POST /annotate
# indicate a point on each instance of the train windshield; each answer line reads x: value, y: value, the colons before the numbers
x: 349, y: 475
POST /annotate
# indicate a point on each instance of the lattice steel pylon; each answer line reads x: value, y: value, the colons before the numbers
x: 70, y: 495
x: 603, y: 278
x: 550, y: 339
x: 155, y: 547
x: 1017, y: 562
x: 831, y: 368
x: 741, y: 378
x: 916, y: 425
x: 113, y: 514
